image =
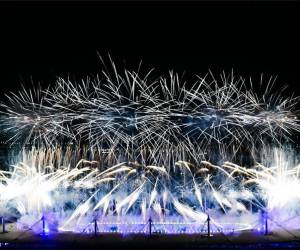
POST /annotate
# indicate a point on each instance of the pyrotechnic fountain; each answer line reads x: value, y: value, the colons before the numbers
x: 121, y: 149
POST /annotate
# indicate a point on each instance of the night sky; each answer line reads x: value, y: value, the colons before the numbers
x: 40, y: 41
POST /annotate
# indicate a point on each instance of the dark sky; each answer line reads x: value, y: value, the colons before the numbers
x: 40, y: 41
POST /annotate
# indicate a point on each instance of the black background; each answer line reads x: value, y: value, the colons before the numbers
x: 40, y: 41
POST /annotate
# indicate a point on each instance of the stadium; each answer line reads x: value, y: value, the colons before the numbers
x: 200, y: 152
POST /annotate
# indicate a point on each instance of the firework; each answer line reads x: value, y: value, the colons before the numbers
x: 122, y: 148
x: 127, y: 194
x: 154, y: 121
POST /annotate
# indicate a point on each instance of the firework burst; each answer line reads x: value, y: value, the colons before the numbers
x: 160, y: 149
x: 134, y: 117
